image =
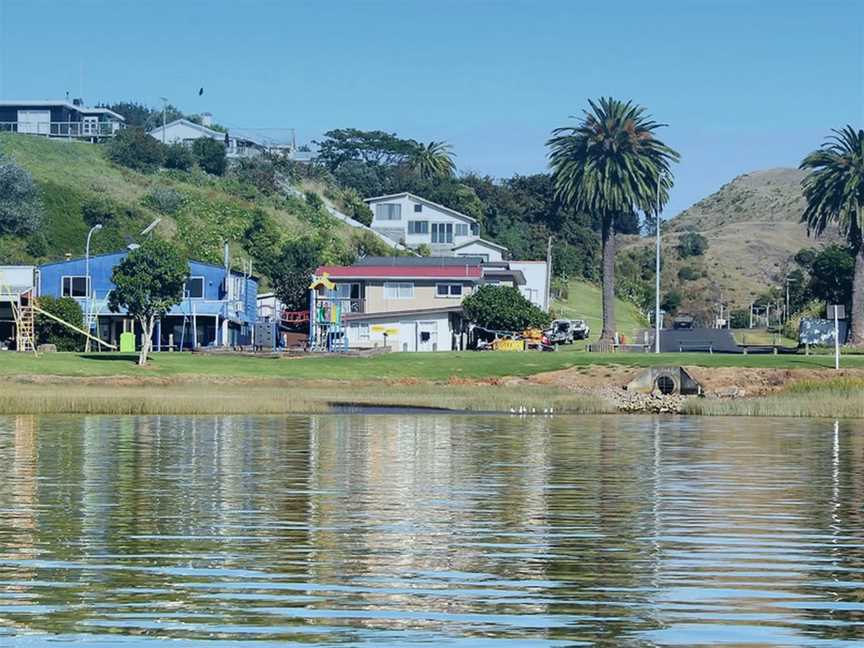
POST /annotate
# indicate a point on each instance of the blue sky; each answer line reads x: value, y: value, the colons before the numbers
x: 742, y: 85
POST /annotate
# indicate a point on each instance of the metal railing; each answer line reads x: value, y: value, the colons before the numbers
x: 62, y: 129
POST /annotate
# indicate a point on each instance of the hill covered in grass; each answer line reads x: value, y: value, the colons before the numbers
x: 583, y: 300
x: 79, y: 187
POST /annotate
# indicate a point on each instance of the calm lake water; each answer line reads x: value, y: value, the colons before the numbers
x: 419, y: 530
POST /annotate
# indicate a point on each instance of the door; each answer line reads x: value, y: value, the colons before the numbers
x: 37, y: 122
x: 91, y: 126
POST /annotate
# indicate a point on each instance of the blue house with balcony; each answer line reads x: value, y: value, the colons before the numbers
x: 218, y: 307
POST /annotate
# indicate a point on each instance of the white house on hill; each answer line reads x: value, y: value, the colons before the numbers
x: 237, y: 145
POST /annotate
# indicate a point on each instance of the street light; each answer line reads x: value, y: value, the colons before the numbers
x: 657, y: 272
x: 164, y: 110
x: 89, y: 302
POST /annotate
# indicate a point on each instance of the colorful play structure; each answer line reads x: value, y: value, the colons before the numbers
x: 326, y: 309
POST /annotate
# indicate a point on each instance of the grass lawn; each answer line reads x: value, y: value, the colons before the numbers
x: 393, y: 366
x: 584, y: 301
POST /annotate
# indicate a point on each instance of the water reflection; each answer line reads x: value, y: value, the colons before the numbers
x: 405, y: 530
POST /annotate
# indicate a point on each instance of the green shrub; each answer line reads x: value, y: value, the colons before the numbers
x: 503, y: 308
x: 313, y: 200
x: 165, y: 200
x: 689, y: 273
x: 99, y: 210
x: 20, y: 204
x: 135, y: 149
x: 49, y: 331
x: 423, y: 250
x: 36, y: 245
x: 692, y: 244
x: 259, y: 173
x: 179, y: 157
x: 210, y: 155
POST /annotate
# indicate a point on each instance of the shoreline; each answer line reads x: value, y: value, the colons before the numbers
x: 577, y: 391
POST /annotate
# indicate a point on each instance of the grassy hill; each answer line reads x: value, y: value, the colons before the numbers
x: 584, y: 301
x: 753, y: 228
x: 80, y: 186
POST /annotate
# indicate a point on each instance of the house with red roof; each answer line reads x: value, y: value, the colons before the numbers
x: 412, y: 303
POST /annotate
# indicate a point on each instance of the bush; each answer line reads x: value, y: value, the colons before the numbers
x: 257, y: 172
x: 50, y: 332
x: 688, y: 273
x: 313, y: 200
x: 179, y: 157
x: 37, y: 245
x: 503, y: 308
x: 692, y: 244
x: 135, y: 149
x: 20, y: 205
x: 423, y: 250
x: 210, y: 155
x: 165, y: 200
x: 98, y: 210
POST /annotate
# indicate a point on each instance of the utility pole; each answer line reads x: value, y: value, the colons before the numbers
x: 548, y: 273
x: 657, y: 271
x: 164, y: 111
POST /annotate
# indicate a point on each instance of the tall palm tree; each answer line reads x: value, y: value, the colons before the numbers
x: 834, y: 190
x: 432, y: 160
x: 610, y: 164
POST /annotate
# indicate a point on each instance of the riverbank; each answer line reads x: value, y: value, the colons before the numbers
x: 474, y: 382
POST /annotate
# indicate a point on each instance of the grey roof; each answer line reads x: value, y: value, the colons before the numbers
x: 414, y: 262
x: 48, y: 103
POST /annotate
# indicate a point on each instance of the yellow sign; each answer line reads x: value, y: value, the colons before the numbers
x: 509, y: 345
x: 384, y: 329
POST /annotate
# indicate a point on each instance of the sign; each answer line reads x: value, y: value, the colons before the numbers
x: 507, y: 344
x: 819, y: 332
x: 836, y: 312
x: 384, y: 329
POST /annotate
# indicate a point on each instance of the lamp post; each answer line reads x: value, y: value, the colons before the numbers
x: 657, y: 272
x: 89, y: 301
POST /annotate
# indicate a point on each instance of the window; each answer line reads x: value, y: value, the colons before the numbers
x: 418, y: 208
x: 475, y: 229
x: 484, y: 257
x: 348, y: 290
x: 194, y: 288
x: 388, y: 212
x: 461, y: 229
x: 75, y: 286
x: 418, y: 227
x: 359, y: 332
x: 398, y: 290
x: 442, y: 232
x: 448, y: 290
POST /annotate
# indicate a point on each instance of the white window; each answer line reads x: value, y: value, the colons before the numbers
x: 398, y: 290
x: 442, y: 232
x: 194, y: 288
x: 448, y: 290
x: 461, y: 229
x: 418, y: 227
x: 360, y: 332
x: 75, y: 286
x: 388, y: 212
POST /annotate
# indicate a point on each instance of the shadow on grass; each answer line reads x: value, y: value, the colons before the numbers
x: 111, y: 357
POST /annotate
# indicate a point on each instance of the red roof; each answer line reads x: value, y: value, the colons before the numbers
x: 401, y: 272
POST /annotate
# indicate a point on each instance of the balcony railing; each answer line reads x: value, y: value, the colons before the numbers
x: 62, y: 129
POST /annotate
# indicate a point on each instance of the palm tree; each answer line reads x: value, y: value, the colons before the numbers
x: 834, y: 190
x: 432, y: 160
x: 610, y: 164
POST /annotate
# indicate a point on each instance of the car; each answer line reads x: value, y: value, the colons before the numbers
x: 565, y: 331
x: 581, y: 330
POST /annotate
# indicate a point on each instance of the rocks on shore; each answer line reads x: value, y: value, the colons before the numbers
x: 650, y: 403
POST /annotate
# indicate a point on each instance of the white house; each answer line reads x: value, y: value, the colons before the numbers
x: 536, y: 286
x: 237, y: 145
x: 415, y: 221
x: 486, y: 250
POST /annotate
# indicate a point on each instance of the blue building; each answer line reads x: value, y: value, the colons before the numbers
x: 218, y: 308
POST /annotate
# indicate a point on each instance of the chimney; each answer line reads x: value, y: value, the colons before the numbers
x: 207, y: 119
x: 78, y: 101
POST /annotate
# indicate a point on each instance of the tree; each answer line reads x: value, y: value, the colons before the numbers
x: 147, y: 283
x: 210, y: 155
x: 135, y: 149
x: 834, y: 190
x: 432, y: 160
x: 292, y: 271
x: 49, y: 331
x: 692, y: 244
x: 20, y: 205
x: 611, y: 164
x: 371, y: 147
x: 502, y: 308
x: 178, y: 156
x: 831, y: 275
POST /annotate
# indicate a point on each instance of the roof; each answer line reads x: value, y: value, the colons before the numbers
x: 402, y: 313
x: 480, y: 241
x: 125, y: 252
x: 464, y: 271
x: 517, y: 275
x: 420, y: 199
x: 413, y: 261
x: 46, y: 103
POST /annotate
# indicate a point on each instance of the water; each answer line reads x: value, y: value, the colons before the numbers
x: 430, y: 530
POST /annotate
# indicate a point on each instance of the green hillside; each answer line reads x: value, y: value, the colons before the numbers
x: 584, y: 301
x: 80, y: 186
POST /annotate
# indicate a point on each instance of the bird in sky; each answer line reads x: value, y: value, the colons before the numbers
x: 200, y: 92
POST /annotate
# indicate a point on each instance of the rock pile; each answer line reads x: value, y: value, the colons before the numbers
x: 652, y: 403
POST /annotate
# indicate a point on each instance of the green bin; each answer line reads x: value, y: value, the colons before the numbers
x: 127, y: 343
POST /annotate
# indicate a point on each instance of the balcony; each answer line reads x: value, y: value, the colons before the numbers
x: 82, y: 129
